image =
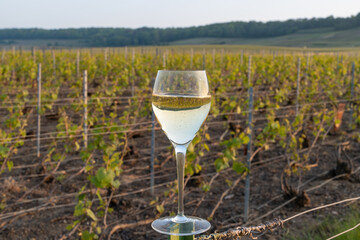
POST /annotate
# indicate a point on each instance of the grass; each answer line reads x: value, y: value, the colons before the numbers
x: 330, y: 226
x: 314, y: 38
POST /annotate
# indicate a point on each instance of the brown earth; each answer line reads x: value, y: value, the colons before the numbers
x: 50, y: 198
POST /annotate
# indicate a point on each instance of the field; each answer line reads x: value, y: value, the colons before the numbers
x: 77, y: 164
x: 324, y: 38
x: 313, y: 38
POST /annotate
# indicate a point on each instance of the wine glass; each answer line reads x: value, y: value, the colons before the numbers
x: 181, y: 103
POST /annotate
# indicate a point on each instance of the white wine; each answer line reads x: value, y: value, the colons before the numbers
x: 180, y: 117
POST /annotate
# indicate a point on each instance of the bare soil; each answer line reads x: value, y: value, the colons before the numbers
x: 40, y: 206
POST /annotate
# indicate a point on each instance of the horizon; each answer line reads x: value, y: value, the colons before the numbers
x: 162, y: 14
x: 290, y: 19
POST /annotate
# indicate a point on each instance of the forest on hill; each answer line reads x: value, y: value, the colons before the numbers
x: 116, y: 37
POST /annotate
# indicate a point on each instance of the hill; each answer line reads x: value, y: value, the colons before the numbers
x: 314, y: 38
x: 314, y: 32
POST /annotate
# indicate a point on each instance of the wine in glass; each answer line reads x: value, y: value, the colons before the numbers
x: 181, y: 103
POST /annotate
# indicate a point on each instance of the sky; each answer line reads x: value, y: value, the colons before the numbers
x: 50, y: 14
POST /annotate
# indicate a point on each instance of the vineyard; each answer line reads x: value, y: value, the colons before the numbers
x: 82, y: 156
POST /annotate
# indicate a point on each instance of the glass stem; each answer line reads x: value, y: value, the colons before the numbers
x: 180, y: 151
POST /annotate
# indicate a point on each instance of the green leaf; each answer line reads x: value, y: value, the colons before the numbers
x: 69, y: 227
x: 79, y: 209
x: 105, y: 178
x: 205, y: 187
x: 91, y: 214
x: 3, y: 151
x: 189, y: 170
x: 239, y: 167
x: 220, y: 164
x: 246, y: 139
x: 116, y: 183
x: 206, y: 147
x: 87, y: 236
x: 207, y: 136
x: 160, y: 208
x: 10, y: 165
x: 77, y: 146
x: 197, y: 168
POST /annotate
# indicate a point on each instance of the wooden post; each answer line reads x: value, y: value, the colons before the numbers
x: 191, y: 57
x: 214, y: 56
x: 43, y: 53
x: 133, y: 73
x: 105, y: 55
x: 78, y: 63
x: 307, y: 71
x: 242, y: 57
x: 164, y: 60
x: 152, y: 181
x: 33, y: 54
x: 249, y: 146
x: 38, y: 110
x: 204, y: 58
x: 222, y: 57
x: 2, y: 56
x: 298, y: 86
x: 54, y: 61
x: 85, y: 93
x: 352, y: 92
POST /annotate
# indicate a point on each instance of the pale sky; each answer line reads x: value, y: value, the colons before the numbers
x: 162, y: 13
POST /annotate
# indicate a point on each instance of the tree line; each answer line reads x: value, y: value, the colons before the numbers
x: 113, y: 37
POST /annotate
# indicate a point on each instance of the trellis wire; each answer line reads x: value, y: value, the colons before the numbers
x: 297, y: 94
x: 203, y: 238
x: 147, y: 129
x: 45, y: 146
x: 4, y: 216
x: 30, y: 90
x: 248, y: 231
x: 75, y: 131
x: 294, y: 198
x: 346, y: 231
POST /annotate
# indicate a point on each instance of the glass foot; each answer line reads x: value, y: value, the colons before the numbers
x: 180, y: 225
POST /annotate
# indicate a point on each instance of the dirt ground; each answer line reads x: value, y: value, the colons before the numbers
x: 38, y: 207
